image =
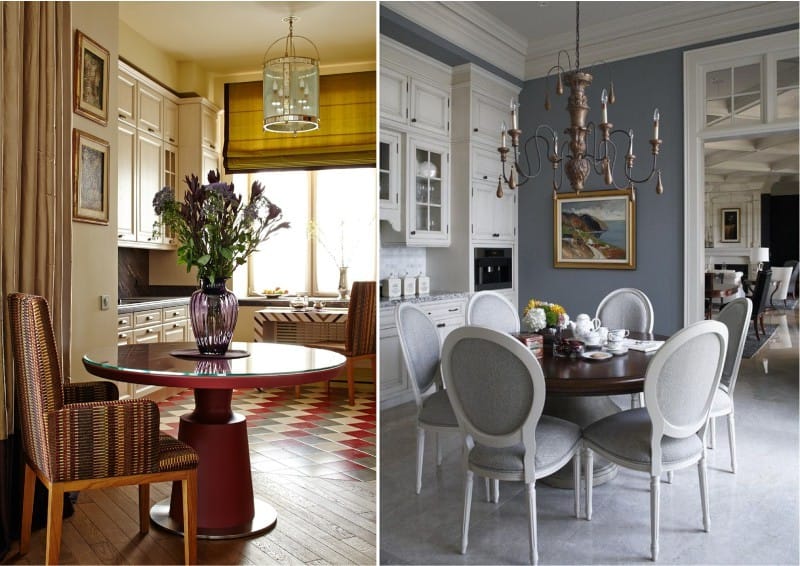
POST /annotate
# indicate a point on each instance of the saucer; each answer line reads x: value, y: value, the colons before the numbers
x: 596, y: 356
x: 617, y: 351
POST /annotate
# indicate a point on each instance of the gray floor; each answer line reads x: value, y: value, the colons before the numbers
x: 754, y: 513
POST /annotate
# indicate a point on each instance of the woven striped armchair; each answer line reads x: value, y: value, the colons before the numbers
x: 79, y: 436
x: 359, y: 332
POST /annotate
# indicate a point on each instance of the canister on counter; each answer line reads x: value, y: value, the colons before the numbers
x: 391, y: 287
x: 423, y: 285
x: 409, y: 285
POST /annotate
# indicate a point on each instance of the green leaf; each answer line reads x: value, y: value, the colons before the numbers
x: 203, y: 260
x: 226, y: 253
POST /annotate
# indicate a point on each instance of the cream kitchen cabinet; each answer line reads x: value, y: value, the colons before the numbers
x: 487, y: 114
x: 146, y: 113
x: 390, y: 177
x: 493, y: 219
x: 198, y: 152
x: 447, y: 315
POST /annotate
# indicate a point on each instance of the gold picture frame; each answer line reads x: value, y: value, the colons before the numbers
x: 730, y: 225
x: 595, y: 229
x: 90, y: 164
x: 90, y: 98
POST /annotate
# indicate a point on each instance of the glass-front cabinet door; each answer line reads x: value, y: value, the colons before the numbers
x: 389, y: 177
x: 428, y: 214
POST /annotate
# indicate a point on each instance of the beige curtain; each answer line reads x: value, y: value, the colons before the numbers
x: 35, y: 194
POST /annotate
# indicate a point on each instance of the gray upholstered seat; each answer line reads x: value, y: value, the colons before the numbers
x: 419, y: 341
x: 630, y: 309
x: 736, y: 317
x: 492, y: 310
x: 667, y: 434
x: 497, y: 389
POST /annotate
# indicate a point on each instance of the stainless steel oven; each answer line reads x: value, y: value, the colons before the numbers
x: 492, y: 269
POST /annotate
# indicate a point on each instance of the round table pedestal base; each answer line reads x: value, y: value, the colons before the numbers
x: 264, y: 520
x: 582, y: 411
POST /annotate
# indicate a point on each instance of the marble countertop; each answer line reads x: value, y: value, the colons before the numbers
x: 135, y: 304
x: 433, y: 296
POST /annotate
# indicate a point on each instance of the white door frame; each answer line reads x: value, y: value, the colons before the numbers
x: 694, y: 67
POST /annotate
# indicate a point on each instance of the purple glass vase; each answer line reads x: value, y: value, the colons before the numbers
x: 213, y: 311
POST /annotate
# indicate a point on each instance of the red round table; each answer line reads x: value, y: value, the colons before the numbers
x: 226, y: 506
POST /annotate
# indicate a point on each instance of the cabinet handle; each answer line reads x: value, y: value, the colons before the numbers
x: 151, y: 130
x: 454, y: 309
x: 119, y: 235
x: 121, y: 322
x: 441, y: 325
x: 413, y: 120
x: 172, y: 140
x: 148, y: 318
x: 212, y: 146
x: 485, y: 177
x: 413, y: 232
x: 121, y: 336
x: 149, y: 331
x: 176, y: 325
x: 474, y: 129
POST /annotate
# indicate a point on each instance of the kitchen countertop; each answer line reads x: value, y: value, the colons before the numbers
x: 433, y: 296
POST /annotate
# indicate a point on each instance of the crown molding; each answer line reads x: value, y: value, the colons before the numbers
x: 690, y: 23
x: 471, y: 28
x: 664, y: 26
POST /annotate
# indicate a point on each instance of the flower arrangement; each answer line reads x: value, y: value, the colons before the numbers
x: 540, y: 314
x: 215, y: 230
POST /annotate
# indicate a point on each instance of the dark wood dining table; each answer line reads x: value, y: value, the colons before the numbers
x: 718, y: 291
x: 226, y: 506
x: 578, y: 390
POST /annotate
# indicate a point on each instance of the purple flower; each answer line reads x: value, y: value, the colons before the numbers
x: 162, y: 198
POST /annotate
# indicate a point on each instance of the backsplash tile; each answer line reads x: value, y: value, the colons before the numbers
x: 400, y: 260
x: 133, y: 272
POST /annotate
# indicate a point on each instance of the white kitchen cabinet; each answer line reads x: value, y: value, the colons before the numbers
x: 394, y: 96
x: 151, y: 108
x: 414, y: 103
x: 427, y: 188
x: 389, y: 177
x: 198, y: 151
x: 394, y: 384
x: 493, y: 218
x: 447, y: 315
x: 487, y: 115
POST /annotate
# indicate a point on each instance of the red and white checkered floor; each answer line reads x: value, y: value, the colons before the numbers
x: 315, y: 435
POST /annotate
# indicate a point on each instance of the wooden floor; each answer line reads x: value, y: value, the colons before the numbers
x: 320, y: 520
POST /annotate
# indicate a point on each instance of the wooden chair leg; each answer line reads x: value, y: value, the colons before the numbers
x: 55, y: 512
x: 144, y: 508
x: 189, y: 492
x: 296, y: 391
x: 28, y: 488
x: 351, y: 393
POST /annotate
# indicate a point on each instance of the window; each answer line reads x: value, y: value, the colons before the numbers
x: 342, y: 204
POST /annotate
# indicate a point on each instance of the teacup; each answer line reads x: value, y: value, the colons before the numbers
x: 618, y: 334
x: 602, y: 332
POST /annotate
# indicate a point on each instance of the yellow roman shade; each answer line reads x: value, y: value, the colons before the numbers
x: 345, y: 138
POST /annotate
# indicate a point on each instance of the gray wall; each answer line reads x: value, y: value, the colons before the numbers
x: 641, y: 84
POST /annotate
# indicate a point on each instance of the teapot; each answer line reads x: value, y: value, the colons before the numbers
x: 583, y: 326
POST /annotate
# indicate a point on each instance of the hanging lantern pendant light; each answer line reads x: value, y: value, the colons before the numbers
x: 291, y: 87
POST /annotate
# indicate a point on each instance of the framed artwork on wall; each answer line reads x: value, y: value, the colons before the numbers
x: 90, y: 98
x: 731, y: 225
x: 90, y: 163
x: 595, y: 229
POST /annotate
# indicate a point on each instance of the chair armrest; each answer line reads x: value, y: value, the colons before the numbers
x: 90, y: 391
x: 99, y: 440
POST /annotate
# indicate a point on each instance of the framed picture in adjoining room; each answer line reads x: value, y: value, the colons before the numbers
x: 90, y: 98
x: 731, y: 224
x: 595, y: 229
x: 90, y: 163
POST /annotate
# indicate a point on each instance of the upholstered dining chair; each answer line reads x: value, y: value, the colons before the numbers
x: 359, y: 334
x: 736, y: 316
x: 73, y: 442
x: 627, y: 308
x: 419, y: 342
x: 760, y: 297
x: 793, y: 279
x: 669, y: 432
x: 781, y: 278
x: 497, y: 389
x: 492, y: 310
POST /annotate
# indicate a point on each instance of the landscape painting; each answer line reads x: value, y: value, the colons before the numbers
x: 595, y: 229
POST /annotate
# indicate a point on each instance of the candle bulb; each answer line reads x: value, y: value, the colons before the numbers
x: 630, y: 147
x: 656, y: 118
x: 503, y: 135
x: 555, y: 145
x: 514, y: 123
x: 604, y: 102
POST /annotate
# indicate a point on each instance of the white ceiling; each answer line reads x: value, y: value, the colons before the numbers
x: 232, y: 37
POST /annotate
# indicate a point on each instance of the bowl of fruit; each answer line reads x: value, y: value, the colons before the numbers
x: 274, y: 293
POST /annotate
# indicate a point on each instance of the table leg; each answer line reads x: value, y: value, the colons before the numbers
x: 582, y: 411
x: 226, y: 507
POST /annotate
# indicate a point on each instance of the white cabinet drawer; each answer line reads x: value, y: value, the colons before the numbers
x: 174, y: 313
x: 441, y: 310
x: 144, y: 318
x: 151, y: 334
